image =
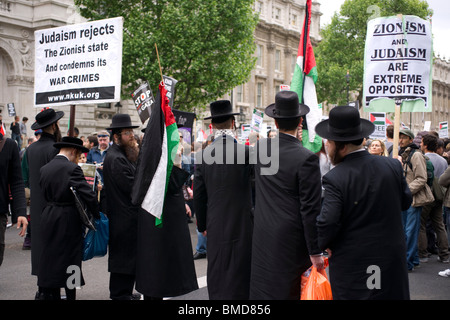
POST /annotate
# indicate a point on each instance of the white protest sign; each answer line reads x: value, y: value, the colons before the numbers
x: 443, y: 129
x: 79, y: 64
x: 257, y: 119
x: 379, y: 120
x: 398, y: 64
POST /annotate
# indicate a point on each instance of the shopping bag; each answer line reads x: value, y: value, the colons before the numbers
x: 315, y: 284
x: 96, y: 241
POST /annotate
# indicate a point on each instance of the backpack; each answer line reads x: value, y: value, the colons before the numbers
x: 429, y: 165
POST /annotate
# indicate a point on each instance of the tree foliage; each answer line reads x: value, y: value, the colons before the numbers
x: 343, y: 41
x: 208, y: 46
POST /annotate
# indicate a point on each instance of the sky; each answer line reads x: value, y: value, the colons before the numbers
x: 440, y: 22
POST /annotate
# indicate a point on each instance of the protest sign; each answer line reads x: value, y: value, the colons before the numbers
x: 79, y: 64
x: 170, y: 84
x: 398, y: 64
x: 443, y: 129
x: 379, y: 120
x: 257, y: 119
x: 11, y: 109
x: 89, y: 173
x: 143, y: 100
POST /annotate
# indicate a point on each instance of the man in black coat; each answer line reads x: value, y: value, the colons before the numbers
x: 11, y: 182
x: 223, y: 205
x: 119, y: 168
x: 38, y: 154
x: 360, y: 223
x: 287, y: 203
x: 61, y: 226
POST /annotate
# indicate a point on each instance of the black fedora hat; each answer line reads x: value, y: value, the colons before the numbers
x: 121, y: 121
x: 45, y: 118
x: 344, y: 124
x: 286, y: 106
x: 221, y: 109
x: 71, y: 142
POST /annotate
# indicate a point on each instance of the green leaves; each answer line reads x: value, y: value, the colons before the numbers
x: 207, y: 46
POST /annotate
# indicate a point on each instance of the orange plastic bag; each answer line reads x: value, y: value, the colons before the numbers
x: 315, y: 284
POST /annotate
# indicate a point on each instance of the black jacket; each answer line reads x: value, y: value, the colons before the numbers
x: 61, y: 229
x: 286, y: 206
x: 118, y: 177
x: 11, y: 180
x: 361, y: 223
x: 223, y: 205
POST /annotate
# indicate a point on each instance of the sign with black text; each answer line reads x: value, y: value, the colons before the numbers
x: 79, y: 64
x: 379, y: 120
x: 398, y: 64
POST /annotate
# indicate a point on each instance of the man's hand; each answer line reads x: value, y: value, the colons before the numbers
x: 317, y: 261
x: 22, y: 222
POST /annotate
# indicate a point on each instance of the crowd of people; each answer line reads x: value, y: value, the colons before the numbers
x: 258, y: 229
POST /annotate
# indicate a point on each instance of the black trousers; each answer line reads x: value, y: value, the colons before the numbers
x: 121, y: 286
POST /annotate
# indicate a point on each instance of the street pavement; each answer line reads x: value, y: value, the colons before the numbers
x: 17, y: 283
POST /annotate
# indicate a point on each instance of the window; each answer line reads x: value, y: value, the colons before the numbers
x: 239, y: 93
x: 294, y: 20
x: 259, y: 7
x: 259, y: 55
x: 276, y: 13
x: 259, y: 94
x: 277, y: 60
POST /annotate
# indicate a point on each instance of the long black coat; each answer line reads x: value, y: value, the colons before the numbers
x: 164, y: 263
x: 61, y: 228
x: 118, y: 175
x: 361, y: 223
x: 38, y: 154
x: 287, y: 204
x: 223, y: 205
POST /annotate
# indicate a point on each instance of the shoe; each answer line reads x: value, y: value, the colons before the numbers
x: 136, y: 296
x: 26, y: 244
x: 445, y: 273
x: 443, y: 260
x: 423, y: 259
x: 199, y: 255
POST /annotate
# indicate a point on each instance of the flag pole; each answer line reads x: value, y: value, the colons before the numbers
x: 396, y: 122
x: 160, y: 70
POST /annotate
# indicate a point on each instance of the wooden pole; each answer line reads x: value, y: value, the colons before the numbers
x: 160, y: 70
x: 396, y: 131
x: 72, y: 120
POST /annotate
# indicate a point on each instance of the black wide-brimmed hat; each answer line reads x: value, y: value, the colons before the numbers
x: 221, y: 109
x: 46, y: 118
x: 286, y: 106
x: 344, y: 124
x: 71, y: 142
x: 121, y: 121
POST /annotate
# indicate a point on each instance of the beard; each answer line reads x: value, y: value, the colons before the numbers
x: 130, y: 148
x: 57, y: 134
x: 335, y: 157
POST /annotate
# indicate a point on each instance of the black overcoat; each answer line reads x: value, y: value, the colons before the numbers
x: 61, y: 228
x: 164, y: 262
x: 39, y: 154
x: 118, y: 176
x: 361, y: 223
x: 223, y: 205
x: 287, y: 204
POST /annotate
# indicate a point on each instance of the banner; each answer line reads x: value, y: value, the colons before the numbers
x: 379, y: 120
x: 78, y: 64
x: 398, y: 64
x: 11, y: 109
x: 143, y: 100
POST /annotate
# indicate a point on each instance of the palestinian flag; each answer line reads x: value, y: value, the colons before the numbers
x: 378, y: 118
x: 304, y: 84
x: 2, y: 130
x: 155, y: 163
